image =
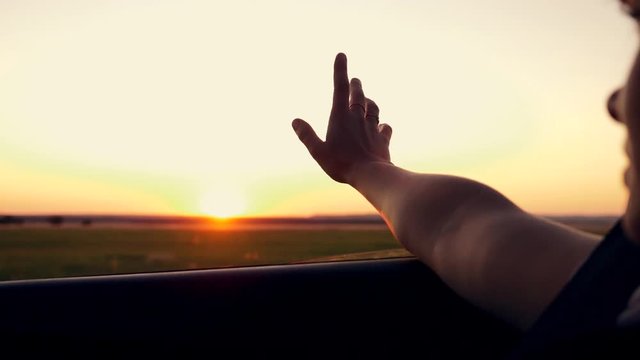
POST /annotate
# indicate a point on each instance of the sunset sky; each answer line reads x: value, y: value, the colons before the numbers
x: 184, y: 107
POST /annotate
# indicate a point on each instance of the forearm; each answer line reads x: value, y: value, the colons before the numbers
x: 418, y: 208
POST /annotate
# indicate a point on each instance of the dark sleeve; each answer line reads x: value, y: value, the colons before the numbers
x: 584, y: 314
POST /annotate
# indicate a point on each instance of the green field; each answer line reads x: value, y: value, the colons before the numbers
x: 47, y: 252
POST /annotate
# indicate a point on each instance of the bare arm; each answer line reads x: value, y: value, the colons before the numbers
x: 488, y: 250
x: 499, y: 257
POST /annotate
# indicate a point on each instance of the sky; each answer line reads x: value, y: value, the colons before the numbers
x: 184, y: 107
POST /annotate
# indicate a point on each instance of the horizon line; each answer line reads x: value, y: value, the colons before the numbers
x: 241, y: 217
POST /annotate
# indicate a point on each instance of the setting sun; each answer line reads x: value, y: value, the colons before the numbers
x: 223, y: 203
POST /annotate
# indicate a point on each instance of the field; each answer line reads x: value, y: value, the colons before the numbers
x: 44, y: 252
x: 49, y: 251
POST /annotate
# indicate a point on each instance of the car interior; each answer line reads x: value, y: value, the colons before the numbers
x: 362, y: 308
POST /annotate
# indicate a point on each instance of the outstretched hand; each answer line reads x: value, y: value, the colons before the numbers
x: 354, y: 136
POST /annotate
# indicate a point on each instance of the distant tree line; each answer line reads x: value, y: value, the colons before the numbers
x: 11, y: 220
x: 54, y: 220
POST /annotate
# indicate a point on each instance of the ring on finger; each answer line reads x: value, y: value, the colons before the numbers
x: 356, y: 104
x: 373, y: 117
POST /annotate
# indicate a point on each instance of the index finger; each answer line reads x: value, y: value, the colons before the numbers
x: 340, y: 84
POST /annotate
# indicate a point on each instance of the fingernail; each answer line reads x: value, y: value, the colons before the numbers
x: 295, y: 124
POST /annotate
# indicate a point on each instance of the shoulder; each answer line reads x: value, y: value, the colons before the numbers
x: 597, y: 311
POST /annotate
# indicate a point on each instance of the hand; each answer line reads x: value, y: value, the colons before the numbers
x: 354, y: 136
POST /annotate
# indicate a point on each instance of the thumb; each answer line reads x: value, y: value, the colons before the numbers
x: 307, y: 136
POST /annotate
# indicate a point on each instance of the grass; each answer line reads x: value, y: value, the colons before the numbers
x: 29, y: 253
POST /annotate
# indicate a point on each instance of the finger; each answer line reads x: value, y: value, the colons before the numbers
x: 307, y: 136
x: 340, y: 83
x: 372, y: 112
x: 386, y: 131
x: 356, y: 98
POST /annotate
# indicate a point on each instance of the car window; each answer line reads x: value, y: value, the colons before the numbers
x: 56, y: 246
x: 145, y: 136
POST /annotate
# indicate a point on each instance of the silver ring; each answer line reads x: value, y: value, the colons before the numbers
x: 372, y: 117
x: 361, y: 106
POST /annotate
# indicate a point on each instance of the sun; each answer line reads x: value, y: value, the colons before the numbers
x: 223, y: 202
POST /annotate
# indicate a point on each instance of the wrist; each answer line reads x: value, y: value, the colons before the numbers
x: 364, y: 170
